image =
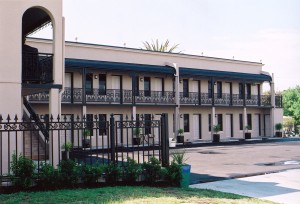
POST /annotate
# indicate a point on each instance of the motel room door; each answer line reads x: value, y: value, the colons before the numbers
x: 229, y: 125
x: 267, y: 125
x: 116, y: 86
x: 197, y: 127
x: 256, y: 126
x: 68, y: 134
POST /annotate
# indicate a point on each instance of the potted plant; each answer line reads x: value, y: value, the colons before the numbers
x: 180, y: 159
x: 67, y: 147
x: 180, y: 137
x: 86, y: 141
x: 137, y: 136
x: 172, y: 142
x: 216, y: 135
x: 247, y: 134
x: 278, y: 127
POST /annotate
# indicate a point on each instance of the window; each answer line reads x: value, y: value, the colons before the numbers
x: 147, y: 124
x: 219, y: 89
x: 185, y: 87
x: 102, y: 124
x: 147, y: 86
x: 249, y: 121
x: 209, y: 122
x: 220, y: 121
x: 241, y: 91
x: 136, y: 87
x: 186, y: 122
x: 248, y: 90
x: 89, y: 123
x: 241, y: 121
x: 89, y: 84
x: 209, y: 89
x: 102, y: 84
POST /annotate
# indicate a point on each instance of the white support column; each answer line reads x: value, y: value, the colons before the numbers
x: 83, y: 111
x: 133, y: 112
x: 54, y: 110
x: 272, y: 87
x: 213, y: 120
x: 245, y: 122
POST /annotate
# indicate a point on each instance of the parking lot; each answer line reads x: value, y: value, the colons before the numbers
x: 214, y: 163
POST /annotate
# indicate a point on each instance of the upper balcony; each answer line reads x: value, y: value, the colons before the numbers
x: 117, y: 96
x: 37, y: 68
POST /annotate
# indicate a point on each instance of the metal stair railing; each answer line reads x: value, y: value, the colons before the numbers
x: 36, y: 119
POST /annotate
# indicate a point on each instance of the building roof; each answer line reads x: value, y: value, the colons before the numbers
x: 192, y: 72
x: 156, y: 69
x: 118, y: 66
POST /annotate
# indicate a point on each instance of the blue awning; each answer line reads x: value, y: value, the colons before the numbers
x: 192, y: 73
x: 118, y: 66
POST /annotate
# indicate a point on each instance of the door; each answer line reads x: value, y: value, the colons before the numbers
x: 228, y: 92
x: 197, y: 127
x: 267, y: 126
x: 119, y: 132
x: 68, y: 134
x: 116, y: 87
x: 228, y: 125
x: 68, y: 93
x: 68, y: 79
x: 255, y: 126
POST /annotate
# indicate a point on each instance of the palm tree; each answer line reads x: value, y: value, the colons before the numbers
x: 160, y: 47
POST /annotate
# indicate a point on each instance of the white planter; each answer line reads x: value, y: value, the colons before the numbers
x: 172, y: 143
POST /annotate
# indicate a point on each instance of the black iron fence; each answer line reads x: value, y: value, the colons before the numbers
x: 90, y: 140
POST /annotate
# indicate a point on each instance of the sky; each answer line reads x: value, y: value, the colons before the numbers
x: 250, y: 30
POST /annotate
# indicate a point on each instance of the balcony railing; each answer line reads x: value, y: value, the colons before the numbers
x: 37, y: 67
x: 156, y: 97
x: 116, y: 96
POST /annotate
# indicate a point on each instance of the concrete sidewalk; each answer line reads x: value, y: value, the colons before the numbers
x: 282, y: 187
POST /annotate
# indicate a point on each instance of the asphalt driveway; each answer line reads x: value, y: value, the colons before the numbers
x: 214, y: 163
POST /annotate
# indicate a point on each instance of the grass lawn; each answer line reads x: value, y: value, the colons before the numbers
x: 128, y: 195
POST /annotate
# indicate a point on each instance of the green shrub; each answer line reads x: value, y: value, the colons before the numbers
x: 174, y: 175
x: 179, y: 157
x: 278, y: 126
x: 48, y: 177
x: 132, y: 170
x: 69, y: 172
x: 91, y: 173
x: 22, y: 171
x: 152, y: 170
x: 112, y: 173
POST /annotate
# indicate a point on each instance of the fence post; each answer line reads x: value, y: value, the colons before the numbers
x: 164, y: 139
x: 112, y: 138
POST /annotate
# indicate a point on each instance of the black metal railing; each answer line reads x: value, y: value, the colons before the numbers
x: 33, y: 116
x: 113, y: 140
x: 37, y: 67
x: 155, y: 97
x: 117, y: 96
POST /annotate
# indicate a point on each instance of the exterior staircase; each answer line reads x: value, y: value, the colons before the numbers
x: 35, y: 139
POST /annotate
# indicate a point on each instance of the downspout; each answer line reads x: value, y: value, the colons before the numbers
x: 177, y: 99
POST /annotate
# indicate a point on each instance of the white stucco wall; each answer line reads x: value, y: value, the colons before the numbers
x: 11, y: 13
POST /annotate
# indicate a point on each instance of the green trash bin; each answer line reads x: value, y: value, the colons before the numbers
x: 185, y: 172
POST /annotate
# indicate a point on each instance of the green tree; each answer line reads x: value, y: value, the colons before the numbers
x: 291, y: 103
x: 160, y: 47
